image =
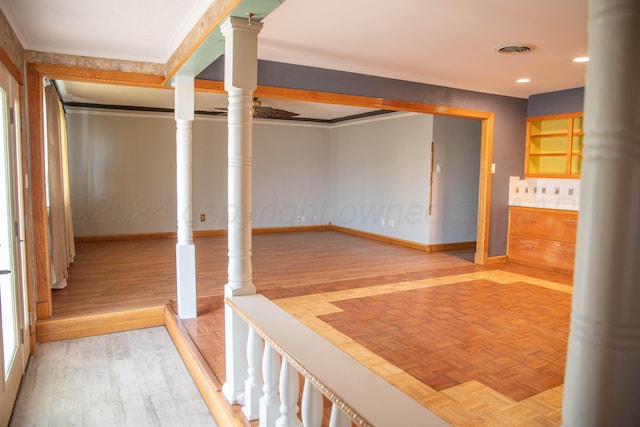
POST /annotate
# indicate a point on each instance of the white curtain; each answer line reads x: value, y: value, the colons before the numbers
x: 61, y: 246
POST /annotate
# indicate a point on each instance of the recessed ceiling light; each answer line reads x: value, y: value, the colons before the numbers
x: 524, y: 80
x: 581, y: 59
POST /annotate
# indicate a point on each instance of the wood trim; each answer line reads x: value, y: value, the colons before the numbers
x: 459, y: 246
x: 121, y: 237
x: 431, y: 167
x: 567, y: 160
x: 322, y: 97
x: 435, y: 109
x: 539, y: 265
x: 31, y: 295
x: 37, y: 188
x: 208, y: 384
x: 556, y: 116
x: 527, y: 149
x: 291, y: 229
x: 97, y: 324
x: 209, y: 86
x: 484, y: 191
x: 496, y: 259
x: 542, y: 210
x: 351, y: 100
x: 381, y: 238
x: 209, y: 233
x: 196, y: 233
x: 64, y: 72
x: 211, y: 19
x: 6, y: 60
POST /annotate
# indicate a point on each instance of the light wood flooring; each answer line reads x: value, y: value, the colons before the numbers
x: 462, y: 318
x: 132, y: 378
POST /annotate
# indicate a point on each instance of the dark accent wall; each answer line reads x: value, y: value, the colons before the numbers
x: 509, y: 130
x: 563, y: 101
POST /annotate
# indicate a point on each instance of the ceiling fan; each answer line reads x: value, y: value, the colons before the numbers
x: 261, y: 111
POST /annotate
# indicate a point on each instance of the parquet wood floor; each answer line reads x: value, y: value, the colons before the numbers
x: 313, y: 274
x: 510, y: 337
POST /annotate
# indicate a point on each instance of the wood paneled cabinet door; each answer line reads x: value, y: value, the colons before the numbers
x: 554, y: 146
x: 542, y: 237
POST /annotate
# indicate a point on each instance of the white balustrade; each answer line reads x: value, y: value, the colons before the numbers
x: 338, y: 418
x: 289, y: 387
x: 311, y: 405
x: 253, y: 388
x: 270, y: 401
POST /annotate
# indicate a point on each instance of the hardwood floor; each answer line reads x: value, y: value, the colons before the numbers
x: 360, y: 281
x: 113, y: 276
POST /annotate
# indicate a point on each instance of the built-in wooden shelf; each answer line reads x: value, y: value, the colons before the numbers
x: 554, y: 146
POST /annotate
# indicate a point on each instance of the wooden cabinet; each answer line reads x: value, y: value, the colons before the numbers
x: 554, y: 146
x: 542, y: 237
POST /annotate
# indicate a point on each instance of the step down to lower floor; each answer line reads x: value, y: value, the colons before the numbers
x: 96, y: 324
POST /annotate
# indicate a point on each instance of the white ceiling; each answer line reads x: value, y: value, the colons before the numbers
x: 448, y: 43
x: 136, y: 30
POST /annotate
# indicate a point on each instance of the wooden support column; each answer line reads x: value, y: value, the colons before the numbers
x: 39, y: 239
x: 241, y: 79
x: 185, y: 249
x: 602, y: 382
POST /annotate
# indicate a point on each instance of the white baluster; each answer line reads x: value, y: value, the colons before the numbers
x: 289, y: 388
x: 253, y: 385
x: 270, y: 402
x: 339, y: 418
x: 311, y: 405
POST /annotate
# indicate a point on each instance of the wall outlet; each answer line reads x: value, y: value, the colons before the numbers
x: 392, y: 223
x: 203, y: 218
x: 382, y: 222
x: 301, y: 219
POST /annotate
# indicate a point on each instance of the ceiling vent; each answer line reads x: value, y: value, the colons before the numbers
x: 516, y: 49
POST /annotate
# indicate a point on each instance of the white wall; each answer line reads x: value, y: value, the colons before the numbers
x: 122, y: 172
x: 209, y: 172
x: 290, y: 174
x: 123, y: 169
x: 354, y: 174
x: 380, y: 172
x: 455, y: 189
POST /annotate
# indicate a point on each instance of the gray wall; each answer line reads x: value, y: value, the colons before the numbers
x: 563, y: 101
x: 455, y: 186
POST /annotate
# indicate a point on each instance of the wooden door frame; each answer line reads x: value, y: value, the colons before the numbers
x: 35, y: 89
x: 37, y: 72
